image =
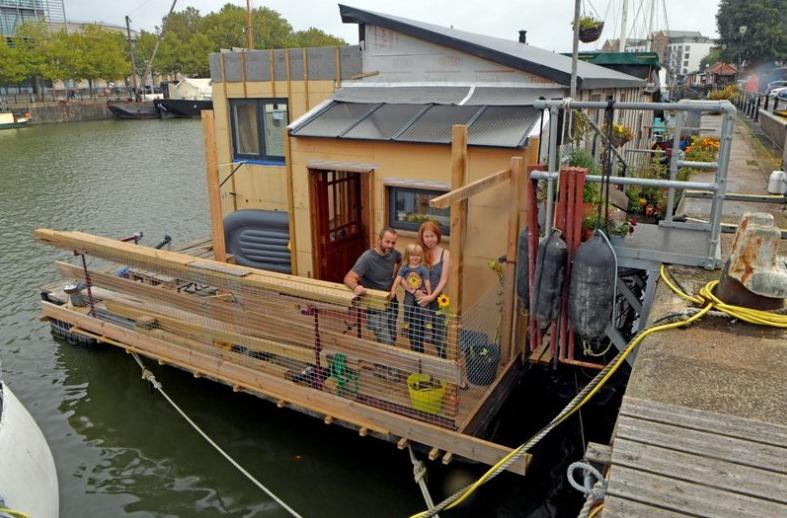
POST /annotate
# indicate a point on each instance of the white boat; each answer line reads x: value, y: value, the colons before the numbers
x: 28, y: 479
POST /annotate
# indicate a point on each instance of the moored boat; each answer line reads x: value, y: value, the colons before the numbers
x: 133, y: 110
x: 28, y: 478
x: 9, y: 120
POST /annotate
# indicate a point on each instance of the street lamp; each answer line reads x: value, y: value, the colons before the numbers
x: 742, y: 31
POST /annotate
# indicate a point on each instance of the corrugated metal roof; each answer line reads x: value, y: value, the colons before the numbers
x: 511, y: 53
x: 489, y: 126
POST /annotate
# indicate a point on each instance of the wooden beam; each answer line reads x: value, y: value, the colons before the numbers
x: 207, y: 271
x: 403, y: 443
x: 363, y: 431
x: 434, y: 453
x: 463, y: 193
x: 507, y: 341
x: 214, y: 193
x: 458, y: 215
x: 447, y: 458
x: 310, y: 400
x: 293, y: 244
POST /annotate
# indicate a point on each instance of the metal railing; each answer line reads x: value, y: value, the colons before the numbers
x: 718, y: 187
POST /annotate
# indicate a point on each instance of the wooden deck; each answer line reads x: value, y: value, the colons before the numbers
x: 159, y: 311
x: 669, y: 460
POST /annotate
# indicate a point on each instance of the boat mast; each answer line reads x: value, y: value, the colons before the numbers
x: 652, y: 5
x: 155, y: 49
x: 575, y: 51
x: 623, y: 21
x: 131, y: 50
x: 249, y: 31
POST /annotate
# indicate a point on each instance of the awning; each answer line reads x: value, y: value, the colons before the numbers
x: 335, y: 165
x: 465, y: 95
x: 490, y: 126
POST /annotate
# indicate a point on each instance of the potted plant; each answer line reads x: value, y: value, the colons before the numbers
x: 619, y: 135
x: 481, y: 357
x: 589, y: 29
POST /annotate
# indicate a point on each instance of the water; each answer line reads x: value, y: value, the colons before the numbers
x: 121, y: 450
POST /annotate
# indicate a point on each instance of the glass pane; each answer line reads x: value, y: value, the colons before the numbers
x: 333, y: 121
x: 247, y: 138
x: 410, y: 208
x: 275, y: 126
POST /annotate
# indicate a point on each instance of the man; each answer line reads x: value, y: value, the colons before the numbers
x: 376, y: 270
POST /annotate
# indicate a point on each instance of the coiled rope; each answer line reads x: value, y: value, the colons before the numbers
x: 149, y: 377
x: 706, y: 299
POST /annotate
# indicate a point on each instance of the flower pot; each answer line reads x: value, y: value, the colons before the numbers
x: 591, y: 34
x: 425, y: 399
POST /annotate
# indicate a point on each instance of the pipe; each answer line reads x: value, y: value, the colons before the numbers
x: 647, y: 182
x: 690, y: 106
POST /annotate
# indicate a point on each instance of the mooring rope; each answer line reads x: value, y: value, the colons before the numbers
x: 705, y: 298
x: 148, y: 376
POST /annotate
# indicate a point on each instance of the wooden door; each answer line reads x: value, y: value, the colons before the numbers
x: 338, y: 222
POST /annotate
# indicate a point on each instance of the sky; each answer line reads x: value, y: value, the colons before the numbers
x: 547, y: 22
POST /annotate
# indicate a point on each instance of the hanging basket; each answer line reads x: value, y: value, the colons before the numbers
x: 592, y: 33
x: 617, y: 140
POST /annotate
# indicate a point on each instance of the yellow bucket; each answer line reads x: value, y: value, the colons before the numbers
x: 427, y: 400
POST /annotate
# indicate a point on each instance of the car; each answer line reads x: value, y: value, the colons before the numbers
x: 778, y: 92
x: 775, y: 84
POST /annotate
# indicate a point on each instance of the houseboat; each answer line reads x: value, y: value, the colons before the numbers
x: 309, y: 154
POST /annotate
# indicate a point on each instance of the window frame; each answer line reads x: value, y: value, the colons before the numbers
x: 391, y: 191
x: 263, y: 157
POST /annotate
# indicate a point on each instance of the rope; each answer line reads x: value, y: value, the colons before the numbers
x: 419, y: 474
x: 706, y: 299
x: 13, y: 513
x: 595, y: 511
x: 148, y: 376
x: 594, y: 490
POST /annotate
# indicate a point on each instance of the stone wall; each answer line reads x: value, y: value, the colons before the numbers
x: 69, y: 111
x: 775, y: 128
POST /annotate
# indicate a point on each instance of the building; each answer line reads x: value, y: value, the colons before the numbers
x: 679, y: 51
x: 13, y: 13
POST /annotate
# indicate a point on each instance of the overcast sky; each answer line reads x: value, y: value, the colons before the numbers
x: 547, y: 21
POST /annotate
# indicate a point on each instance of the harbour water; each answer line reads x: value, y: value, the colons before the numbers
x: 122, y: 450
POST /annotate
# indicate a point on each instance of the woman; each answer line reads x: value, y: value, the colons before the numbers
x: 436, y: 259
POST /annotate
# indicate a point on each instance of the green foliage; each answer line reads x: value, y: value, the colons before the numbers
x: 588, y: 22
x: 766, y: 31
x: 713, y: 56
x: 581, y: 158
x: 188, y: 38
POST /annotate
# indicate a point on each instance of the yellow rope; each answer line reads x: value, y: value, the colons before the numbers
x: 13, y: 513
x: 595, y: 510
x: 705, y: 298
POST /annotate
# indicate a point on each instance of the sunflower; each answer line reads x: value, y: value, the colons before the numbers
x: 443, y: 301
x: 414, y: 280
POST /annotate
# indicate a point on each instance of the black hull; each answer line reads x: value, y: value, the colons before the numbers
x: 182, y: 107
x: 134, y: 110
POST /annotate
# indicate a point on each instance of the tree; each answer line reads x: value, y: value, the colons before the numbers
x: 713, y: 56
x: 12, y: 70
x: 314, y: 37
x: 765, y: 38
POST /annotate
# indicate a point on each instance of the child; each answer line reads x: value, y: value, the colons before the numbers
x: 413, y: 276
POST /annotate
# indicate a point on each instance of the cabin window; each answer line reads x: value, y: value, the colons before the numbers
x: 258, y: 127
x: 408, y: 208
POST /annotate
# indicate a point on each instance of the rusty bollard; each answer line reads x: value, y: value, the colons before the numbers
x: 755, y: 276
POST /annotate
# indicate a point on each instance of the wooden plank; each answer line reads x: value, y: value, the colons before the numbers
x: 720, y: 474
x: 507, y: 349
x: 480, y: 415
x: 121, y: 252
x: 463, y: 193
x: 710, y: 445
x: 686, y: 497
x: 696, y: 419
x: 342, y: 409
x: 458, y: 215
x: 214, y: 194
x: 622, y: 507
x: 600, y: 453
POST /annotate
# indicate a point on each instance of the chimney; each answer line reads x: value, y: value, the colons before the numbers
x: 522, y: 36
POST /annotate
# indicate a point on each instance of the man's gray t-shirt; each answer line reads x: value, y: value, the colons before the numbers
x: 377, y: 271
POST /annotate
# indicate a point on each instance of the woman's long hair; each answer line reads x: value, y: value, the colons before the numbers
x: 434, y: 228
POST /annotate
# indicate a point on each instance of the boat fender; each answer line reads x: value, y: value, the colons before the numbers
x: 592, y: 287
x: 548, y: 279
x: 522, y: 270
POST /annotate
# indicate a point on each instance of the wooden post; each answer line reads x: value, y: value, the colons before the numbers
x: 458, y: 215
x: 214, y: 194
x: 290, y: 204
x: 507, y: 342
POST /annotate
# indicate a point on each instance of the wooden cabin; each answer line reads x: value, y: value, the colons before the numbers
x: 309, y: 153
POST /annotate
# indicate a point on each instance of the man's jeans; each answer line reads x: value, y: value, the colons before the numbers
x: 383, y: 323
